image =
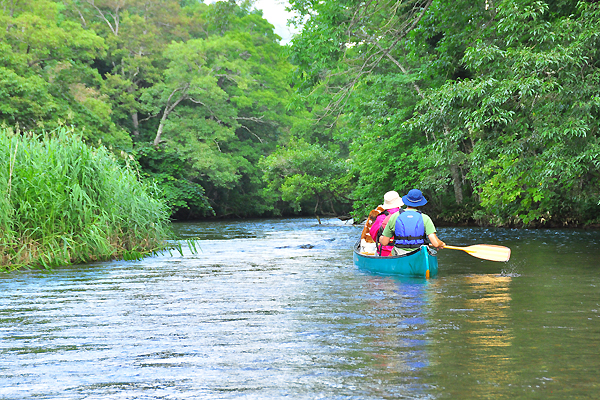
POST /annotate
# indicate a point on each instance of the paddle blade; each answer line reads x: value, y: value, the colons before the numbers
x: 486, y: 251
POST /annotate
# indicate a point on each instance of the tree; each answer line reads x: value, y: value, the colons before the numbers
x: 46, y: 79
x: 136, y: 32
x: 221, y: 104
x: 528, y: 118
x: 307, y: 174
x: 344, y: 41
x: 490, y: 106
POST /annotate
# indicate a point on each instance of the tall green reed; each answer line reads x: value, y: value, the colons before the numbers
x: 64, y: 202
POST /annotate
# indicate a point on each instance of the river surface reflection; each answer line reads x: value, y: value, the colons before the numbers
x: 272, y: 309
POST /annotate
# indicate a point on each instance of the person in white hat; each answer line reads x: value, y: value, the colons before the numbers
x: 391, y: 204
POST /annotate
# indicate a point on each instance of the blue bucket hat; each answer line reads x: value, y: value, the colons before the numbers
x: 414, y: 198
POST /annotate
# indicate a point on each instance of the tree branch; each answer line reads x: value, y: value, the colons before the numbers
x: 254, y: 134
x: 115, y: 29
x: 374, y: 53
x: 168, y: 109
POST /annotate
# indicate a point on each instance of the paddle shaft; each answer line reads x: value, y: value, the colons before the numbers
x: 457, y: 248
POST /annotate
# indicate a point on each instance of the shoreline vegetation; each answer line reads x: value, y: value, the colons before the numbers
x: 64, y: 202
x: 491, y: 109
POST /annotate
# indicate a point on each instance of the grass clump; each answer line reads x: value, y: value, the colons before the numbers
x: 63, y: 202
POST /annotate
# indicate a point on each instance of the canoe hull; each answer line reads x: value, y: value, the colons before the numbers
x: 414, y: 264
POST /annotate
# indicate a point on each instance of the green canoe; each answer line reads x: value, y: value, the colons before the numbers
x: 420, y: 263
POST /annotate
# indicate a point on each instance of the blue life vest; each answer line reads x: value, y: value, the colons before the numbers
x: 409, y: 231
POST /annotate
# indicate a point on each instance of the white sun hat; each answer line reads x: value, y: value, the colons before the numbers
x: 392, y: 200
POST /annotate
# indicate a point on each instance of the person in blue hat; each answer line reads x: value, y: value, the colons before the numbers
x: 410, y: 228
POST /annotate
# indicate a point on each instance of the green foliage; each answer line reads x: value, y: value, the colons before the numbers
x: 206, y: 82
x: 64, y: 202
x: 221, y: 104
x: 166, y: 168
x: 308, y: 175
x: 45, y: 77
x: 384, y: 152
x: 492, y: 106
x: 526, y: 123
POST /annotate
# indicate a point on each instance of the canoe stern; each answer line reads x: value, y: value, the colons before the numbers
x: 415, y: 264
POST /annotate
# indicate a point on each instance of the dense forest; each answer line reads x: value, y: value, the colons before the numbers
x: 195, y: 93
x: 491, y: 107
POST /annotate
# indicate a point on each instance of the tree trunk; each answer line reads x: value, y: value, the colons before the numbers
x: 317, y: 209
x: 136, y: 124
x: 457, y: 180
x: 168, y: 108
x: 161, y: 126
x: 332, y: 208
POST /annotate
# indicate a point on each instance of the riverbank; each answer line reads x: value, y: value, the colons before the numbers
x: 65, y: 202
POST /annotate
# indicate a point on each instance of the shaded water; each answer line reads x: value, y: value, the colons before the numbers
x: 275, y: 308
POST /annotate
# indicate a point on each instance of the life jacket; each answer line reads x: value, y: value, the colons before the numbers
x: 380, y: 223
x: 376, y: 224
x: 410, y: 230
x: 378, y: 227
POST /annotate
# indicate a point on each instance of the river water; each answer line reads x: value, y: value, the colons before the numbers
x: 271, y: 309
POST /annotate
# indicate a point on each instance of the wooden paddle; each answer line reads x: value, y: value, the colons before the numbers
x: 486, y: 251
